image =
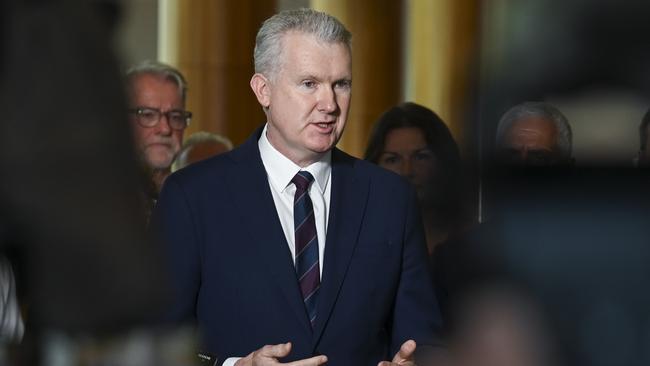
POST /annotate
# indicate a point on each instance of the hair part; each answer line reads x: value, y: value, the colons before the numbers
x: 564, y: 140
x: 159, y: 69
x: 268, y: 43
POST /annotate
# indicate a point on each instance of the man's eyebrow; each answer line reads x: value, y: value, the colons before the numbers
x: 307, y: 76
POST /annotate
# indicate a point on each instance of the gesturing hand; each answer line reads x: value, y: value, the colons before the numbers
x: 403, y: 357
x: 268, y: 356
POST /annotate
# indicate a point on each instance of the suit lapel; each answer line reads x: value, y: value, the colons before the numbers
x: 347, y: 206
x: 249, y: 186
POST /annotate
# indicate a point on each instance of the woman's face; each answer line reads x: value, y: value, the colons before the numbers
x: 406, y: 153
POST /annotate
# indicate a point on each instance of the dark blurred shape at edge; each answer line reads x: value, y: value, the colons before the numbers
x: 70, y: 191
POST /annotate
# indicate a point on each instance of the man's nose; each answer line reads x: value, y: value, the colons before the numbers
x: 327, y: 100
x: 163, y: 127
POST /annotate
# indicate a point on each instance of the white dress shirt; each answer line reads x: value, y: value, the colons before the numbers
x: 279, y: 171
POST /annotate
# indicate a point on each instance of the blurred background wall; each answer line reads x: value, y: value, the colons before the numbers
x: 444, y: 54
x: 416, y: 50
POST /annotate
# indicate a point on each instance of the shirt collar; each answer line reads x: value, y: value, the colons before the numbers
x: 281, y: 170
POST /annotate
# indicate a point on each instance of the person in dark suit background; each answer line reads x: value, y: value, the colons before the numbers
x: 287, y: 238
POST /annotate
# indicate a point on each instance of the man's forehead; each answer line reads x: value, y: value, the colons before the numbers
x: 534, y: 125
x: 148, y: 85
x: 533, y: 132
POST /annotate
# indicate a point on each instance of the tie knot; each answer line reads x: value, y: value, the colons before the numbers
x: 302, y: 180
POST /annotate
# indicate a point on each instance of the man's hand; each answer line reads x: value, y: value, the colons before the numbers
x: 268, y: 355
x: 403, y: 357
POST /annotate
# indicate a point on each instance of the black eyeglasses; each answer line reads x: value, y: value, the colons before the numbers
x: 150, y: 117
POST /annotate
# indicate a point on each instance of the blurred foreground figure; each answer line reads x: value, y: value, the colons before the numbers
x: 70, y: 195
x: 11, y: 320
x: 534, y: 134
x: 499, y: 326
x: 571, y: 251
x: 644, y: 137
x: 199, y: 146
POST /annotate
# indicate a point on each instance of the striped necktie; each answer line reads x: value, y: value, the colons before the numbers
x: 306, y: 240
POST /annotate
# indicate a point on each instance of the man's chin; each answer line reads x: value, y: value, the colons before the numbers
x: 322, y: 147
x: 159, y: 163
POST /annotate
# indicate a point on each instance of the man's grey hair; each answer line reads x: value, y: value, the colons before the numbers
x: 543, y: 110
x: 203, y: 136
x: 161, y: 70
x: 198, y: 138
x: 268, y: 43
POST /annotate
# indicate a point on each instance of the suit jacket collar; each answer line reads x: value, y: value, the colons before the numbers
x: 347, y: 208
x: 249, y: 185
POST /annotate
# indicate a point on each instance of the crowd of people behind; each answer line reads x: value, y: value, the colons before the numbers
x: 409, y: 140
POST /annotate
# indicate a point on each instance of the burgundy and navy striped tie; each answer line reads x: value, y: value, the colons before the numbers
x: 306, y: 240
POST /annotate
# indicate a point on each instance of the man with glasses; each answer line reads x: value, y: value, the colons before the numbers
x: 157, y: 109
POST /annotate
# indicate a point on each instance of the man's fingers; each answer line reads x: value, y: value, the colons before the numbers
x: 282, y: 350
x: 276, y: 350
x: 404, y: 356
x: 314, y: 361
x: 405, y: 352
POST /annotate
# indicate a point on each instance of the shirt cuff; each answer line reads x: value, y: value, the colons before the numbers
x: 231, y: 361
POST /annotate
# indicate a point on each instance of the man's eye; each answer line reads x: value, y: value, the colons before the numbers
x: 308, y: 84
x: 343, y: 84
x: 177, y: 116
x: 147, y: 114
x: 540, y: 158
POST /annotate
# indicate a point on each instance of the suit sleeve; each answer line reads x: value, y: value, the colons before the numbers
x: 175, y: 225
x: 416, y: 314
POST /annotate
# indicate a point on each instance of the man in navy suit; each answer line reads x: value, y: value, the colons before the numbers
x: 286, y: 249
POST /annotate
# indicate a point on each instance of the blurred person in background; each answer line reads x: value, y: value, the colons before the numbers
x: 157, y: 94
x: 199, y: 146
x: 413, y: 141
x: 644, y: 137
x: 71, y: 219
x: 534, y: 134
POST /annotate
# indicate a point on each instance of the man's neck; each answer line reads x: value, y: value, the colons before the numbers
x: 158, y: 177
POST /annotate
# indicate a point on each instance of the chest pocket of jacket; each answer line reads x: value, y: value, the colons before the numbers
x: 380, y: 250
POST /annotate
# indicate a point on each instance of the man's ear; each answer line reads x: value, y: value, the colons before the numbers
x: 262, y: 89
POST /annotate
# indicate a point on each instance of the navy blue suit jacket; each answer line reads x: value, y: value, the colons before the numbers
x: 233, y: 272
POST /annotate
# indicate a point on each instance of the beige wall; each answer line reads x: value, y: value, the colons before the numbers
x: 136, y: 37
